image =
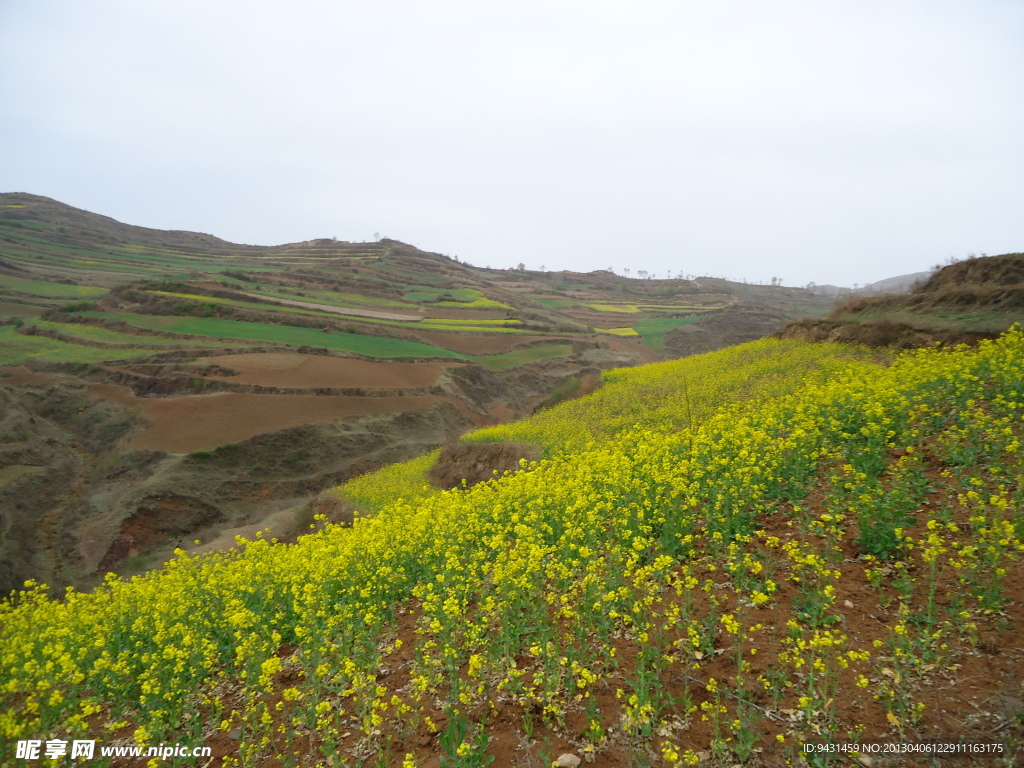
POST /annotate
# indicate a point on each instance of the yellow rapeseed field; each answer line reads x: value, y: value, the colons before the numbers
x: 671, y: 585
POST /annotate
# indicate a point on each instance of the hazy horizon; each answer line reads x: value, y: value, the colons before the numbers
x: 807, y: 142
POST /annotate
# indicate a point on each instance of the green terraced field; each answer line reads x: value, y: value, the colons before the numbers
x: 48, y: 289
x: 372, y: 346
x: 410, y: 276
x: 36, y: 243
x: 680, y: 307
x: 653, y: 330
x: 107, y: 336
x: 473, y: 326
x: 555, y: 303
x: 465, y: 298
x: 16, y: 348
x: 274, y: 287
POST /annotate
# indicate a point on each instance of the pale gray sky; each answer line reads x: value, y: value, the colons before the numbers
x: 839, y: 142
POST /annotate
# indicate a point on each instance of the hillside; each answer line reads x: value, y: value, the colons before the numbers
x: 978, y: 298
x: 717, y: 561
x: 167, y: 387
x: 898, y: 284
x: 76, y: 254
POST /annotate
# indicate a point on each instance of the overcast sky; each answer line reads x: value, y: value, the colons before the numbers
x: 814, y: 140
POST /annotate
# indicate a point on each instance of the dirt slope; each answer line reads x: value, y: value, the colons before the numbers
x: 88, y: 482
x: 959, y: 304
x: 736, y: 324
x: 77, y: 498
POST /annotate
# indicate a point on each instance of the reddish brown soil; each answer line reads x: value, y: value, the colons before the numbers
x: 474, y: 463
x: 203, y: 422
x: 589, y: 383
x: 479, y: 419
x: 635, y: 346
x: 502, y: 412
x: 19, y: 375
x: 157, y: 518
x: 484, y: 344
x: 879, y: 334
x: 283, y: 369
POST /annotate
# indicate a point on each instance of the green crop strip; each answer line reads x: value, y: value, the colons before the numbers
x: 107, y: 336
x: 53, y: 290
x: 372, y: 346
x: 653, y: 329
x: 17, y: 348
x: 555, y: 303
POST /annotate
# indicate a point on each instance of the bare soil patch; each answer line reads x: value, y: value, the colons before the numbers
x: 203, y: 422
x: 634, y: 345
x: 477, y: 462
x: 502, y: 413
x: 155, y: 519
x: 19, y: 375
x: 878, y: 334
x: 272, y: 369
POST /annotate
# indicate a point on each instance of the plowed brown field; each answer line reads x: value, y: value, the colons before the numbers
x: 203, y: 422
x: 282, y: 369
x: 635, y: 346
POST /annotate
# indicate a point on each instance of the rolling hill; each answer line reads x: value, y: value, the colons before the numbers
x: 978, y: 298
x: 163, y: 387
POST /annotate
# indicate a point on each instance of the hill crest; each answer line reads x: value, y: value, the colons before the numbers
x: 963, y: 302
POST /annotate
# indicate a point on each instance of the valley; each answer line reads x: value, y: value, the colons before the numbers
x: 161, y: 352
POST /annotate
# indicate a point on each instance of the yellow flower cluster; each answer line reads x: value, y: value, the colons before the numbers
x: 524, y: 588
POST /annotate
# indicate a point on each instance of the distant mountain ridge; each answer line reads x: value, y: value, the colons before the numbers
x: 76, y: 225
x: 898, y: 284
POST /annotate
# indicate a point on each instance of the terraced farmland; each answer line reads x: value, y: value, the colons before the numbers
x: 129, y: 354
